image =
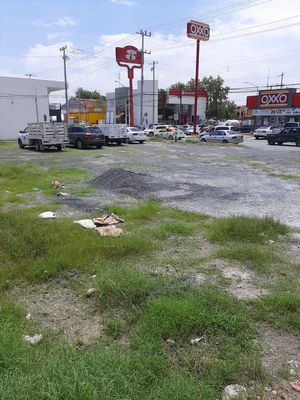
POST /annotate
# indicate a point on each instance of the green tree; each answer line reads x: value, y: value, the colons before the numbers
x: 87, y: 94
x: 218, y: 106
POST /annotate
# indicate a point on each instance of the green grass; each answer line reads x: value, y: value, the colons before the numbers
x: 22, y: 178
x: 261, y: 259
x: 280, y: 310
x: 7, y: 144
x: 284, y: 176
x: 245, y: 229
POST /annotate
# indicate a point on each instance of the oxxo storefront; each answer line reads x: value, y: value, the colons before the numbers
x: 274, y: 107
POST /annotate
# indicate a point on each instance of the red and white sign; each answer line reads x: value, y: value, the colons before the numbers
x: 198, y: 30
x: 278, y: 98
x: 128, y: 55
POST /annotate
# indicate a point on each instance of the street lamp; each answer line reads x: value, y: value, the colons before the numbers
x: 252, y: 84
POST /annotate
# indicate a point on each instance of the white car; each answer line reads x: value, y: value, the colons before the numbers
x: 135, y: 134
x: 222, y: 137
x: 263, y: 132
x: 230, y: 129
x: 172, y: 133
x: 155, y: 130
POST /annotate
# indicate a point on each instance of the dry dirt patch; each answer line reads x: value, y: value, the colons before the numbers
x: 57, y: 307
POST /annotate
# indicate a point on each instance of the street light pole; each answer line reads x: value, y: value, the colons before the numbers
x: 153, y: 90
x: 65, y: 58
x: 143, y: 51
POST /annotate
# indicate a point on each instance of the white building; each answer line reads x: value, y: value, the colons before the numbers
x: 23, y: 100
x: 117, y: 104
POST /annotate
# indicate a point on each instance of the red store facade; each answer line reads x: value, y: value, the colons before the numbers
x: 274, y: 107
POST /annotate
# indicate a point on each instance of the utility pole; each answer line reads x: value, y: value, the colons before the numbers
x: 143, y: 51
x: 30, y: 75
x: 65, y: 58
x: 153, y: 89
x: 281, y: 80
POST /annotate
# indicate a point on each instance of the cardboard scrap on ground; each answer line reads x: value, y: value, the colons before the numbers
x: 56, y: 184
x: 106, y: 219
x: 110, y: 230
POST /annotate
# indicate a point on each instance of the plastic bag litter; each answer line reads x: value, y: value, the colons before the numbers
x: 111, y: 230
x: 34, y: 340
x: 63, y: 194
x: 86, y: 223
x: 106, y: 219
x: 47, y: 215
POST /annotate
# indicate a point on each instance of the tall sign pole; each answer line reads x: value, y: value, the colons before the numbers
x: 143, y: 51
x: 65, y: 58
x: 199, y: 31
x: 129, y: 57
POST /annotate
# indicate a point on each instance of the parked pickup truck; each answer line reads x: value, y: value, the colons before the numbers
x: 286, y: 135
x: 41, y: 135
x: 114, y: 133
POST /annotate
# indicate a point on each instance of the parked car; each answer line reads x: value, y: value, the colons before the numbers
x: 190, y: 130
x: 86, y: 135
x: 262, y: 132
x: 286, y: 135
x: 246, y: 128
x: 135, y: 134
x: 223, y: 137
x: 291, y: 125
x: 172, y: 133
x: 230, y: 129
x: 155, y: 130
x: 183, y: 127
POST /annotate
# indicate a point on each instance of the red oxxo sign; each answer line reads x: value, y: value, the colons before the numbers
x: 278, y: 98
x: 198, y: 30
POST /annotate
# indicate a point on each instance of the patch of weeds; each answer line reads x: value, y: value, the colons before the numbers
x: 245, y: 229
x: 23, y: 178
x: 114, y: 327
x: 258, y: 258
x: 83, y: 190
x: 284, y: 176
x: 280, y: 310
x: 36, y: 248
x: 166, y: 230
x: 294, y: 159
x: 142, y: 212
x: 7, y: 144
x: 12, y: 198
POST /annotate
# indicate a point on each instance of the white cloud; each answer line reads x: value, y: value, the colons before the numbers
x: 128, y: 3
x: 62, y: 21
x: 65, y: 21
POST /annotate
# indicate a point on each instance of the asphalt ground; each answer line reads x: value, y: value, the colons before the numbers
x: 249, y: 179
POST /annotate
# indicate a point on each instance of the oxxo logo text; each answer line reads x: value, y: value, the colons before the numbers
x: 198, y: 30
x: 269, y: 99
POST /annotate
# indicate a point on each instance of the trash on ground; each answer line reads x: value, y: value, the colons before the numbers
x: 111, y: 219
x: 47, y: 215
x: 295, y: 387
x: 90, y: 292
x: 233, y: 392
x: 197, y: 340
x: 63, y: 194
x: 34, y: 340
x: 93, y: 276
x: 36, y: 189
x: 111, y: 230
x: 56, y: 184
x: 86, y: 223
x: 170, y: 341
x: 28, y: 316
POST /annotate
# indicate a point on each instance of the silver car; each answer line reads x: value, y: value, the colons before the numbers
x: 222, y: 137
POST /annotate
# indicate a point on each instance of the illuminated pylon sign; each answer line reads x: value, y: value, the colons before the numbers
x: 199, y: 31
x: 124, y: 56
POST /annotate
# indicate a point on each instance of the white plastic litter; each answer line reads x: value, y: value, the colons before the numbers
x: 197, y: 340
x: 86, y: 223
x: 90, y: 292
x: 28, y: 316
x: 47, y: 215
x: 34, y: 340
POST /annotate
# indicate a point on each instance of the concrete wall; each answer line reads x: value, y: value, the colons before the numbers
x: 23, y: 100
x: 147, y: 103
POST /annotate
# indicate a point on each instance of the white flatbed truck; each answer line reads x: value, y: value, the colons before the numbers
x: 41, y: 135
x: 114, y: 133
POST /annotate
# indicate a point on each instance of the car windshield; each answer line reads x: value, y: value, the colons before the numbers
x: 134, y: 129
x: 93, y: 129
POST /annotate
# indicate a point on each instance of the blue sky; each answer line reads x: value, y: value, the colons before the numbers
x: 250, y: 40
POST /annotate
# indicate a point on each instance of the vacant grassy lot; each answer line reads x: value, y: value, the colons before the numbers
x: 171, y: 278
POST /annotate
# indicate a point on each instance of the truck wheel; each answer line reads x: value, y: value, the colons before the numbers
x: 59, y: 147
x: 37, y: 145
x: 21, y: 145
x: 141, y: 141
x: 99, y: 146
x: 151, y: 134
x: 106, y: 141
x: 119, y: 142
x: 297, y: 142
x: 79, y: 144
x: 280, y: 143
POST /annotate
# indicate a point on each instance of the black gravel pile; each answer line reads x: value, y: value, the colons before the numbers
x: 127, y: 182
